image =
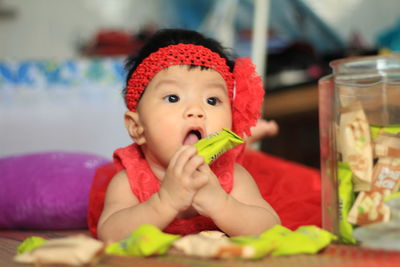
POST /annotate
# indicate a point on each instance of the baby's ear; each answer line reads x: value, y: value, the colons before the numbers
x: 134, y: 127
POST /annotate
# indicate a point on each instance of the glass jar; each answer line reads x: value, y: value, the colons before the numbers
x: 364, y: 85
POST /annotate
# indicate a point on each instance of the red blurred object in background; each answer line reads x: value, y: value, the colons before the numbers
x: 115, y: 43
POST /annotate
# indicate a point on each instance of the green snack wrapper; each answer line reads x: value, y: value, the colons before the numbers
x: 377, y: 130
x: 307, y: 239
x: 146, y: 240
x: 281, y: 241
x: 391, y: 196
x: 276, y: 232
x: 256, y: 247
x: 30, y: 244
x: 346, y: 200
x: 214, y: 145
x: 259, y: 246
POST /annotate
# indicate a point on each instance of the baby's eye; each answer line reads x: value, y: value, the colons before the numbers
x: 213, y: 101
x: 171, y: 98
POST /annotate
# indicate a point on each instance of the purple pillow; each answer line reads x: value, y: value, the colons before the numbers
x: 47, y: 190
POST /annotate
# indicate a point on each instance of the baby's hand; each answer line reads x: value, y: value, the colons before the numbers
x: 179, y: 186
x: 210, y: 197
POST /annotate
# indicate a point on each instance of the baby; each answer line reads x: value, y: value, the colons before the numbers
x: 182, y: 87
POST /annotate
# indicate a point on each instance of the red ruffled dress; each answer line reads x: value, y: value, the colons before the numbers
x: 292, y: 189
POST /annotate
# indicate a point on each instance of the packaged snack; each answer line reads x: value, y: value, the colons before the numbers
x: 214, y: 145
x: 346, y: 200
x: 146, y: 240
x: 280, y: 241
x: 378, y: 130
x: 387, y: 145
x: 307, y: 239
x: 383, y: 235
x: 256, y: 247
x: 30, y: 244
x: 369, y: 206
x: 72, y: 250
x: 207, y: 244
x: 355, y: 145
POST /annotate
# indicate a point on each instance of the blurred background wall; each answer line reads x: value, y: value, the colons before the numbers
x: 57, y: 28
x: 57, y: 53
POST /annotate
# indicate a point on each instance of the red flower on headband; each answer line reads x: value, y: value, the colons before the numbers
x: 248, y: 98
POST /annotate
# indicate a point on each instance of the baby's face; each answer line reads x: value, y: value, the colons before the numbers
x: 179, y: 106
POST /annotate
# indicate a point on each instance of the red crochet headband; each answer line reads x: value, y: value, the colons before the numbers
x: 180, y: 54
x: 245, y: 88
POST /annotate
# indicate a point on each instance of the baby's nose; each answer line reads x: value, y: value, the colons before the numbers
x: 195, y: 113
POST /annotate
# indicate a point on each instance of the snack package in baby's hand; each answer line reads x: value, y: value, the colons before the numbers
x: 346, y: 200
x: 369, y: 207
x: 214, y: 145
x: 146, y: 240
x: 356, y: 145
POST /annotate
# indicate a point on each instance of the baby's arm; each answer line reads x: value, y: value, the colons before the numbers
x: 242, y: 212
x: 122, y: 211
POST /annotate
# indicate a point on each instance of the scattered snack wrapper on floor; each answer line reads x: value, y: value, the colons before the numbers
x: 73, y: 250
x: 214, y: 145
x: 146, y: 240
x: 207, y: 244
x: 307, y: 239
x: 31, y: 243
x: 256, y: 247
x: 277, y: 241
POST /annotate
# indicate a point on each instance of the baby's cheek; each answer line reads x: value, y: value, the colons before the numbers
x: 167, y: 151
x: 228, y: 119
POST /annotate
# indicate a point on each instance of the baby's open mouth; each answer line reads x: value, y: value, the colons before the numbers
x: 192, y: 137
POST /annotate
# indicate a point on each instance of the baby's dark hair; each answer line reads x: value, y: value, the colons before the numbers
x: 166, y: 37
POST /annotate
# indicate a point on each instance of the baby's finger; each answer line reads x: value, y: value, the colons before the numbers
x: 204, y: 167
x: 175, y: 157
x: 206, y: 170
x: 183, y: 157
x: 199, y: 179
x: 192, y: 164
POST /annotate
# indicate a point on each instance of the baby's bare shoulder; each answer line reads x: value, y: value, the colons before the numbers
x: 119, y: 189
x: 241, y: 174
x: 119, y: 178
x: 243, y: 183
